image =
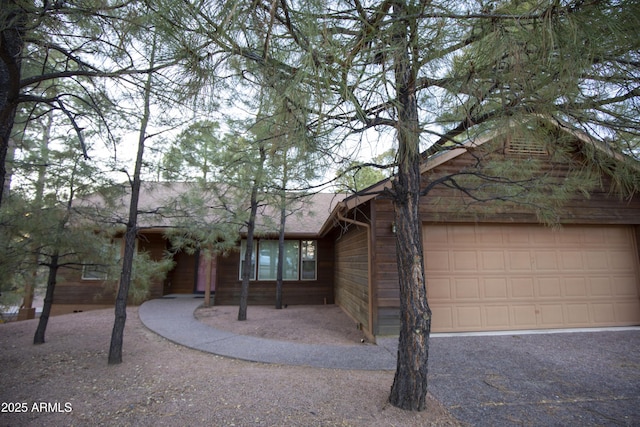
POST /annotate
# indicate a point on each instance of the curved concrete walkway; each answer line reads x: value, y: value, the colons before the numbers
x: 173, y: 318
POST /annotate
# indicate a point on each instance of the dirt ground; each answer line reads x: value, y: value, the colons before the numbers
x: 319, y: 324
x: 67, y: 381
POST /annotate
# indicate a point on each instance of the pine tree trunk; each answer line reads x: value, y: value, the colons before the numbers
x: 11, y: 44
x: 117, y: 334
x: 209, y: 257
x: 246, y: 273
x: 251, y: 225
x: 409, y: 390
x: 279, y: 278
x: 131, y: 233
x: 38, y: 338
x: 283, y: 222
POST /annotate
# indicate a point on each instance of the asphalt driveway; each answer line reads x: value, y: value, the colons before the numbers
x: 560, y: 379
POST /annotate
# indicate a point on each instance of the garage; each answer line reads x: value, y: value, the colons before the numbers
x: 483, y: 277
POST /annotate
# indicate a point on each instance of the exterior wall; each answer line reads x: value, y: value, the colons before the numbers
x: 155, y: 245
x: 294, y: 292
x: 444, y: 205
x: 71, y: 290
x: 352, y: 274
x: 182, y: 279
x: 449, y: 205
x: 385, y: 271
x: 73, y: 294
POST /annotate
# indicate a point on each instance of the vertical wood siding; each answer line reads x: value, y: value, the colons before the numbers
x: 155, y: 245
x: 352, y: 275
x: 386, y: 269
x: 182, y: 279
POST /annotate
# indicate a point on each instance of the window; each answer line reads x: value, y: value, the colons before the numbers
x: 243, y: 251
x: 268, y: 261
x: 299, y: 261
x: 94, y: 272
x: 98, y: 268
x: 309, y: 251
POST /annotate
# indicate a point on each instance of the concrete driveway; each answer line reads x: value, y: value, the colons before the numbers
x: 552, y: 379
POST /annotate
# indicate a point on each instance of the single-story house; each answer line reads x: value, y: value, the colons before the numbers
x: 308, y: 273
x: 490, y: 265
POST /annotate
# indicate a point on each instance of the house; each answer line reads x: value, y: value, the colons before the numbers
x: 490, y: 265
x: 493, y: 266
x: 308, y: 274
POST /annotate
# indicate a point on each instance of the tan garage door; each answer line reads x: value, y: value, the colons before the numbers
x: 505, y: 277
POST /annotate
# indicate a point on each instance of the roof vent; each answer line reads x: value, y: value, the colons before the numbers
x: 525, y: 147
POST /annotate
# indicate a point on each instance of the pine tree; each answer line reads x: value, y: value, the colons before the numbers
x: 399, y: 64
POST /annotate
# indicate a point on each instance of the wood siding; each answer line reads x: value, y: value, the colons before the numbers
x: 182, y: 279
x: 352, y: 274
x: 445, y: 205
x: 385, y: 271
x: 71, y: 289
x: 294, y: 292
x: 75, y: 294
x: 155, y: 245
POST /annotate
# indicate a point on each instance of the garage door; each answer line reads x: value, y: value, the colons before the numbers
x: 505, y: 277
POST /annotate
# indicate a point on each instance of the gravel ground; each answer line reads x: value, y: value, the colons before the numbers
x: 555, y: 379
x: 305, y: 324
x: 67, y: 382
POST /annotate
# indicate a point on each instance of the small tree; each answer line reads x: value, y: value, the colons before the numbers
x: 293, y: 163
x: 189, y: 156
x: 40, y: 231
x: 215, y: 212
x: 147, y: 92
x: 206, y: 217
x: 46, y: 44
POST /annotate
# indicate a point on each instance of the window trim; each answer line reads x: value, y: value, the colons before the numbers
x: 255, y: 274
x: 314, y: 260
x: 97, y: 274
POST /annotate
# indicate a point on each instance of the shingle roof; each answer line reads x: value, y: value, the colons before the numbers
x: 166, y: 204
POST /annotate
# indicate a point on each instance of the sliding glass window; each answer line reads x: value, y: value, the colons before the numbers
x: 299, y: 260
x: 268, y: 260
